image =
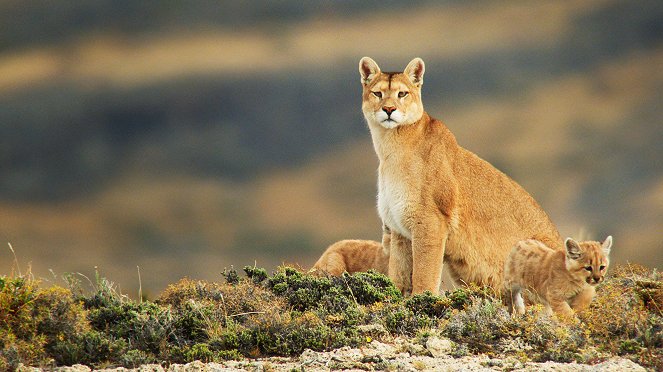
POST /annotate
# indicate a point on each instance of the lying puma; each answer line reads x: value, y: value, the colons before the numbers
x: 355, y: 255
x: 441, y: 201
x: 352, y: 256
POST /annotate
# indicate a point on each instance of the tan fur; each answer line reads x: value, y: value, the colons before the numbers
x: 441, y: 201
x: 352, y: 256
x: 561, y: 280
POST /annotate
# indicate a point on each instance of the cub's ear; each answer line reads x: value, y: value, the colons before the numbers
x: 415, y: 71
x: 607, y: 244
x: 368, y: 70
x: 572, y: 249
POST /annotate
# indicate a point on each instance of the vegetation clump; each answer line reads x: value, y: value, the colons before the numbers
x: 290, y: 311
x: 626, y: 317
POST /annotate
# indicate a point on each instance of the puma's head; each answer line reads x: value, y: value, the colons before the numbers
x: 588, y: 260
x: 391, y: 99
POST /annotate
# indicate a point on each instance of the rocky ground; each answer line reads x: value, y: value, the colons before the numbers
x: 399, y: 356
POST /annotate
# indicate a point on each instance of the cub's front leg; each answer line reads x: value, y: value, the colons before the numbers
x: 582, y: 300
x: 400, y: 262
x: 561, y: 307
x: 517, y: 302
x: 429, y: 238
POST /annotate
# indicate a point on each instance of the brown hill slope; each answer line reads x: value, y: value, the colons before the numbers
x: 149, y: 133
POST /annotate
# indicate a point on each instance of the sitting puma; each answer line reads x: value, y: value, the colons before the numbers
x: 562, y: 280
x: 441, y: 201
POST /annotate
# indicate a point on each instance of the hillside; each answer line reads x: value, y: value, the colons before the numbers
x: 313, y: 322
x: 223, y: 134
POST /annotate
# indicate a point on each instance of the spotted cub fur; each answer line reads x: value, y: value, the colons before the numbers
x: 562, y: 280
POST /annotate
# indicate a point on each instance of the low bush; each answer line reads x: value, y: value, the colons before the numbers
x: 626, y: 316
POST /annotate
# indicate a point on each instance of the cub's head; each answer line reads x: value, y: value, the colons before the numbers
x: 588, y: 260
x: 391, y: 99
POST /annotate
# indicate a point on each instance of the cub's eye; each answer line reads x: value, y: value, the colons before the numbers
x: 588, y: 268
x: 402, y: 94
x: 377, y: 94
x: 602, y: 267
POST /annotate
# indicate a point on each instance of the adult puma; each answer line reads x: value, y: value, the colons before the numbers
x: 442, y: 203
x: 353, y: 255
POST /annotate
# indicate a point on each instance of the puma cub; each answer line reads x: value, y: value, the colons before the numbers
x: 355, y: 255
x: 441, y: 201
x: 561, y: 280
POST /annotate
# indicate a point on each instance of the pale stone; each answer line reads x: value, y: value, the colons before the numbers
x: 439, y: 346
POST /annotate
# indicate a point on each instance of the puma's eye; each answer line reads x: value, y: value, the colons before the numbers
x: 402, y: 94
x: 602, y: 267
x: 377, y: 94
x: 588, y: 268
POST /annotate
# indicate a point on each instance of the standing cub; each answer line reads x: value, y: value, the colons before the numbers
x: 561, y: 280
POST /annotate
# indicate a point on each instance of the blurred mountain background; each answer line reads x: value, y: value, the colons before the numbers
x: 186, y: 137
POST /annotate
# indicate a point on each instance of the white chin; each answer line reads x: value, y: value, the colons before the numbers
x: 389, y: 124
x: 381, y: 119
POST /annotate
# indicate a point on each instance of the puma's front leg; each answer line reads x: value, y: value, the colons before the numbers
x: 429, y: 238
x: 386, y: 239
x: 400, y: 263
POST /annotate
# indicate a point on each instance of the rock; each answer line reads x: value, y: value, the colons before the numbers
x: 198, y: 366
x: 611, y: 365
x: 439, y: 346
x: 376, y: 356
x: 385, y: 351
x: 150, y: 368
x: 311, y: 359
x: 74, y: 368
x: 618, y: 365
x: 406, y: 345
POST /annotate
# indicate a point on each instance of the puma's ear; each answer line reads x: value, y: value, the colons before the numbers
x: 572, y: 249
x: 415, y: 71
x: 607, y: 244
x: 368, y: 70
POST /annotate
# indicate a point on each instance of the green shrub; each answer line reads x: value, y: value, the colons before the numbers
x: 199, y: 352
x: 480, y: 326
x: 335, y: 294
x: 135, y: 358
x: 231, y: 276
x: 462, y: 297
x: 367, y: 288
x: 230, y: 355
x: 36, y: 323
x: 428, y: 304
x: 257, y: 274
x: 144, y: 326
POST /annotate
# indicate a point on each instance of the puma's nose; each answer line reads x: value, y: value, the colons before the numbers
x: 388, y: 109
x: 597, y: 279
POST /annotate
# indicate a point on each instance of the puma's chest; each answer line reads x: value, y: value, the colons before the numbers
x: 393, y: 203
